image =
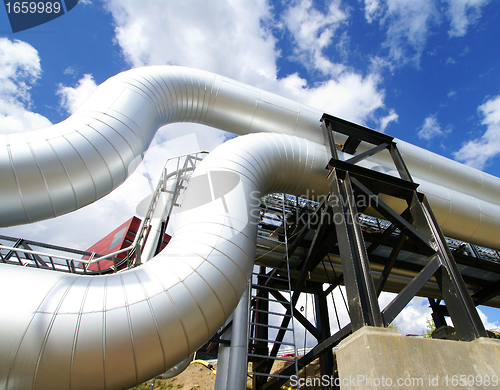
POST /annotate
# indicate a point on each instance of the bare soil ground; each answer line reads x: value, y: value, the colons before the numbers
x: 199, y: 377
x: 195, y: 377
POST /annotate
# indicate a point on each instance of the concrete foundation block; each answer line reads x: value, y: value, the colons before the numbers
x: 381, y: 358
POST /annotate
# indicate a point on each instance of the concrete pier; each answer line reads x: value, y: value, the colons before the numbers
x: 381, y: 358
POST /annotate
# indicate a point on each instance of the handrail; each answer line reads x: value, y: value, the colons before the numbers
x: 141, y: 232
x: 136, y: 246
x: 32, y: 252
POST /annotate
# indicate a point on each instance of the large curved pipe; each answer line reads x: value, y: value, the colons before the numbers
x: 63, y: 331
x: 68, y: 331
x: 59, y: 169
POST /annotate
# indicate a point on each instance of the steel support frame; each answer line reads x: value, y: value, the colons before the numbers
x: 459, y: 303
x: 424, y: 231
x: 323, y: 324
x: 347, y: 184
x: 360, y: 288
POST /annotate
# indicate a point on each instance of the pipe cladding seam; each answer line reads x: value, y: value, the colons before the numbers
x: 53, y: 171
x: 115, y: 331
x: 66, y: 331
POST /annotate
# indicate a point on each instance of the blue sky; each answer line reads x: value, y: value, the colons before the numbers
x: 423, y: 71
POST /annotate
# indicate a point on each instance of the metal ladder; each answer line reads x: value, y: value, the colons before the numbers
x: 273, y: 282
x: 180, y: 175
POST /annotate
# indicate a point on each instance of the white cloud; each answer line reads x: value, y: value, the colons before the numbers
x: 487, y: 324
x: 392, y: 117
x: 413, y: 318
x: 73, y: 97
x: 373, y: 10
x: 20, y: 64
x: 409, y: 24
x: 463, y: 13
x: 477, y: 153
x: 19, y: 70
x: 350, y: 96
x: 227, y: 37
x: 314, y: 31
x: 14, y: 117
x: 430, y: 129
x: 241, y: 45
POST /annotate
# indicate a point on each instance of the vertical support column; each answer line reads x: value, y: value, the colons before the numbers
x: 323, y: 325
x: 238, y: 366
x: 223, y: 358
x: 329, y: 139
x: 361, y: 294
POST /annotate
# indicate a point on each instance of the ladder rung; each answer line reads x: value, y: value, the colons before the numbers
x: 271, y: 341
x: 272, y: 278
x: 278, y: 271
x: 272, y: 357
x: 286, y: 270
x: 270, y: 326
x: 274, y: 269
x: 257, y: 286
x: 268, y: 299
x: 268, y: 375
x: 271, y: 312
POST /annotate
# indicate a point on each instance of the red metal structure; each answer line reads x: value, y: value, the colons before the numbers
x: 122, y: 237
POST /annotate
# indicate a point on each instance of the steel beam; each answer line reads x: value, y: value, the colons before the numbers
x: 323, y: 324
x: 405, y: 296
x: 438, y: 312
x: 459, y: 303
x: 361, y: 294
x: 390, y: 263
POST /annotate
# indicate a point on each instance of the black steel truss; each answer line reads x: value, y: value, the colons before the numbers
x: 348, y: 181
x: 414, y: 229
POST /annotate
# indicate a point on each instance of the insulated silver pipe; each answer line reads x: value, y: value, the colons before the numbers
x: 53, y: 171
x: 111, y: 332
x: 62, y: 331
